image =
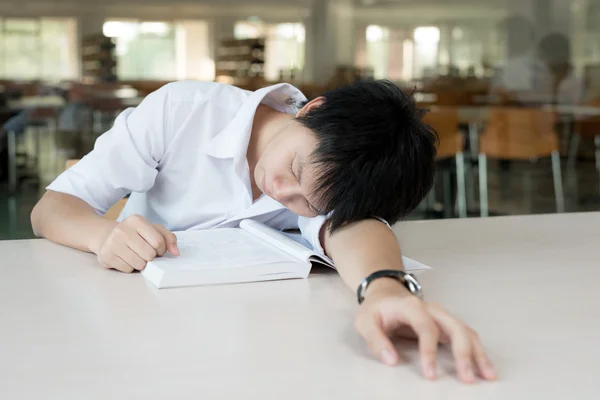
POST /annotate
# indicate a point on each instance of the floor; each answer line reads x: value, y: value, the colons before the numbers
x: 515, y: 188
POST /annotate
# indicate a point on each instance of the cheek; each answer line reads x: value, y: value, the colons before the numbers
x: 277, y: 165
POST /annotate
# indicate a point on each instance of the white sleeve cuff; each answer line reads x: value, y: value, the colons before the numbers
x: 311, y: 229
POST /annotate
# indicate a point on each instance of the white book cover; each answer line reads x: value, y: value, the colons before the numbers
x: 253, y: 252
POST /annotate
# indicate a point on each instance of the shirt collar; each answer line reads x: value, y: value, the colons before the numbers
x: 232, y: 142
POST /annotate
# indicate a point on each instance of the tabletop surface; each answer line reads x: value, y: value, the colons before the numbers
x: 529, y: 285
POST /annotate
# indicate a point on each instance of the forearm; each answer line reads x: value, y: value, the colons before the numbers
x: 362, y: 248
x: 69, y: 221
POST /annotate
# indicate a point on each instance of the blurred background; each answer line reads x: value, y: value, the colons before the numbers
x: 513, y: 86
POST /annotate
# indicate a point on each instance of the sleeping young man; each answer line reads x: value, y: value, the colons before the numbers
x: 198, y: 155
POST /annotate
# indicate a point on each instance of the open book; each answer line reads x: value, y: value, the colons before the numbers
x: 253, y: 252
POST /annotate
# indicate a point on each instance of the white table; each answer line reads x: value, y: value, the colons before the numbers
x: 529, y: 285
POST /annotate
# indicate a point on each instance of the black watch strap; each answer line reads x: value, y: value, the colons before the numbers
x: 405, y: 278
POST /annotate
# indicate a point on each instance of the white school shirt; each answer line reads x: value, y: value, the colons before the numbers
x: 181, y: 154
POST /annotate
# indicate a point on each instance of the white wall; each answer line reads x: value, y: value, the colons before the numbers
x: 269, y: 10
x: 425, y: 14
x: 148, y: 9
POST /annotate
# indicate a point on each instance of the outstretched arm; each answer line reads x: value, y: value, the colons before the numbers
x: 362, y: 248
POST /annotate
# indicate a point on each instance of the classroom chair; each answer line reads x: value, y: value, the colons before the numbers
x: 519, y: 134
x: 451, y: 145
x: 38, y: 121
x: 114, y: 212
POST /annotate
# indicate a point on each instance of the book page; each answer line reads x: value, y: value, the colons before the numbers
x: 276, y: 239
x: 220, y: 248
x: 295, y: 245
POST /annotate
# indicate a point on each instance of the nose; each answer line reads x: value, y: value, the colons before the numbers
x: 284, y: 191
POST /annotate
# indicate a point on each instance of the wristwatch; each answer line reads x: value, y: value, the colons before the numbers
x: 408, y: 280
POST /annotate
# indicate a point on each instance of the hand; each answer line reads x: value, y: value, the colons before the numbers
x: 389, y: 309
x: 132, y: 243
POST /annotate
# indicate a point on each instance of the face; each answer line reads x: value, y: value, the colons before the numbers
x: 284, y: 172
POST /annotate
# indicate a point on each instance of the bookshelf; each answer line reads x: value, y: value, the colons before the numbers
x: 98, y: 59
x: 242, y: 60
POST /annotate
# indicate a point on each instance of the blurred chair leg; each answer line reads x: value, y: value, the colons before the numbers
x: 461, y: 191
x: 431, y: 198
x: 473, y: 140
x: 558, y: 187
x: 38, y: 148
x: 470, y: 184
x: 573, y: 150
x: 12, y: 216
x: 12, y: 161
x: 447, y: 182
x: 96, y: 122
x: 483, y: 192
x: 572, y: 167
x: 597, y: 143
x: 528, y: 183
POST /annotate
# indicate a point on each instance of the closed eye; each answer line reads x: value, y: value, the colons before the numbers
x: 292, y: 169
x: 311, y: 208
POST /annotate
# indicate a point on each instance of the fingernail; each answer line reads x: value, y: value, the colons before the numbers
x: 490, y: 372
x: 387, y: 357
x: 430, y: 371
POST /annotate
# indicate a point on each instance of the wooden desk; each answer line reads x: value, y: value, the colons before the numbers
x: 529, y: 285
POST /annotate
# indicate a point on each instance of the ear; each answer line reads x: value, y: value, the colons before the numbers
x: 311, y: 105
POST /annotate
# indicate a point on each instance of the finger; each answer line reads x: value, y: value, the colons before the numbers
x: 429, y: 335
x: 483, y: 362
x: 170, y: 239
x: 152, y: 236
x: 140, y: 247
x: 461, y: 345
x: 406, y: 331
x: 370, y: 329
x: 131, y: 258
x: 115, y: 262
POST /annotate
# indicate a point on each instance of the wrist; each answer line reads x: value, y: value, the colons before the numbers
x: 411, y: 285
x: 100, y: 232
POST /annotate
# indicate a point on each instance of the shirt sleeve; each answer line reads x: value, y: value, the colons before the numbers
x: 311, y: 228
x: 124, y: 159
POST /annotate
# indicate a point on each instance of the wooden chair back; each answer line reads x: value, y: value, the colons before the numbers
x: 519, y: 134
x: 114, y: 212
x: 445, y: 122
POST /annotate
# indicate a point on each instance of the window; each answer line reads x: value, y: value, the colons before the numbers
x: 40, y: 48
x: 387, y: 51
x: 159, y: 50
x: 427, y: 40
x: 193, y: 51
x: 145, y: 50
x: 284, y: 45
x: 474, y: 47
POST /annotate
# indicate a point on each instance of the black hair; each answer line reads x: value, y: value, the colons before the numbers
x: 374, y: 157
